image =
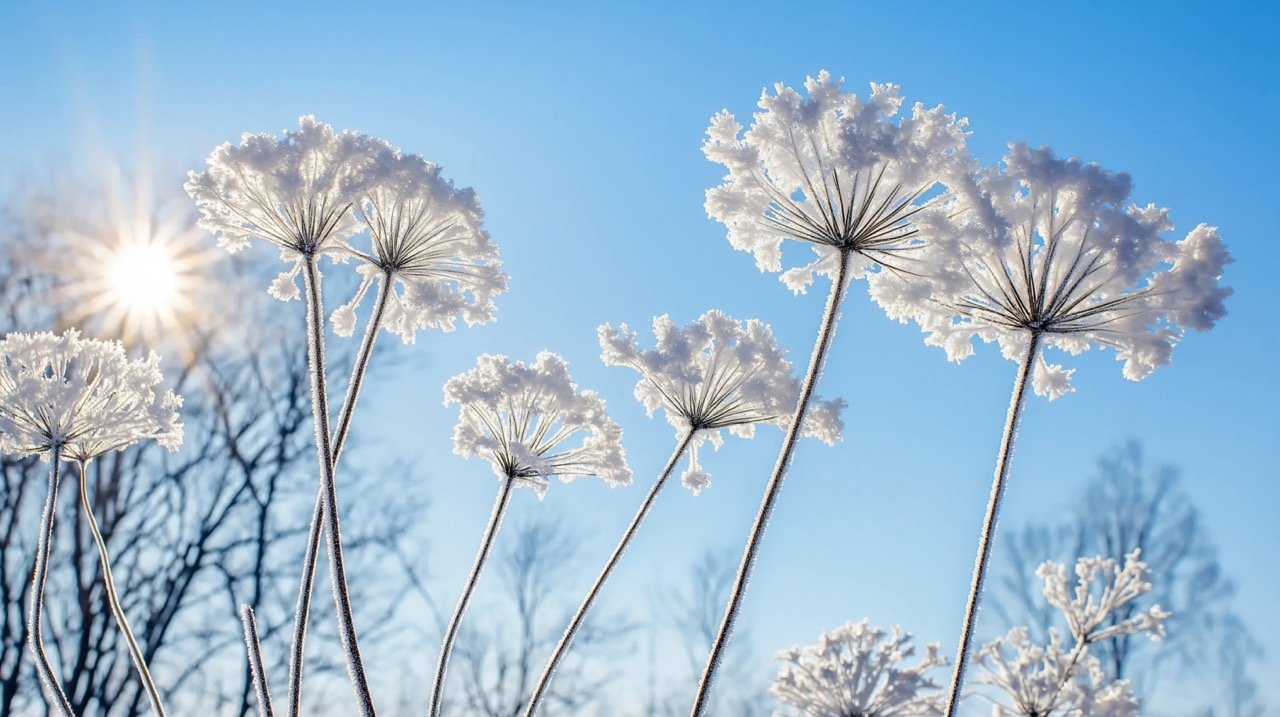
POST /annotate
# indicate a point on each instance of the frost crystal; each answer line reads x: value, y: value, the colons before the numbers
x: 82, y: 397
x: 520, y: 417
x: 836, y: 171
x: 1053, y: 247
x: 1041, y: 681
x: 295, y: 192
x: 429, y: 240
x: 716, y: 373
x: 854, y: 671
x: 1102, y: 587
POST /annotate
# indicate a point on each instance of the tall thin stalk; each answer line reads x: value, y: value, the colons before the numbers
x: 825, y: 332
x: 1016, y: 401
x: 578, y: 617
x: 257, y: 671
x: 35, y: 632
x: 451, y: 634
x: 113, y: 598
x: 318, y: 514
x: 330, y: 514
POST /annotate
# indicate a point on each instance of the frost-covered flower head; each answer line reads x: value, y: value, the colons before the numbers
x: 854, y: 671
x: 429, y: 240
x: 81, y: 397
x: 295, y: 192
x: 525, y: 418
x: 1102, y: 587
x: 1050, y: 681
x: 1054, y: 248
x: 716, y: 373
x: 839, y: 172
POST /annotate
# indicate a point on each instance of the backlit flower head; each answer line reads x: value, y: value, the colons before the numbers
x: 82, y: 397
x: 428, y: 237
x: 716, y: 373
x: 1054, y: 247
x: 837, y: 171
x: 524, y: 419
x: 1051, y: 681
x: 854, y: 671
x: 1102, y: 586
x: 295, y: 192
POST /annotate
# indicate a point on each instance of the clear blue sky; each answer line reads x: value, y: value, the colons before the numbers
x: 579, y: 125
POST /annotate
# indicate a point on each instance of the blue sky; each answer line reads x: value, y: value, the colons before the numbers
x: 579, y: 125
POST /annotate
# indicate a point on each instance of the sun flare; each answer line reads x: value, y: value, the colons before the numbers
x: 142, y: 277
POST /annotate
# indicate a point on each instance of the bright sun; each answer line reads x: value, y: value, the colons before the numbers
x: 142, y: 277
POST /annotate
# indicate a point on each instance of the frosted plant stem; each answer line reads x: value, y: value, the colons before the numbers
x: 318, y: 514
x: 330, y: 514
x: 774, y: 486
x: 1016, y: 402
x: 113, y: 598
x: 256, y: 669
x: 54, y: 695
x: 451, y: 634
x: 578, y: 617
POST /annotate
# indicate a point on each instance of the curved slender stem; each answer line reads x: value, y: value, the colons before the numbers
x: 825, y: 333
x: 1016, y: 402
x: 54, y: 695
x: 113, y: 597
x: 257, y: 670
x: 330, y: 514
x: 451, y: 634
x: 318, y: 514
x: 579, y: 617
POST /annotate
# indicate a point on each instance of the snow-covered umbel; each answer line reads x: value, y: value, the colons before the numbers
x: 716, y: 373
x: 295, y: 192
x: 1050, y: 681
x: 1055, y: 248
x: 837, y: 171
x: 428, y: 239
x: 1102, y: 587
x: 855, y: 670
x: 524, y: 419
x: 83, y: 397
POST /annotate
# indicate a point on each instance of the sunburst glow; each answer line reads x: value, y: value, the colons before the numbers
x: 142, y: 278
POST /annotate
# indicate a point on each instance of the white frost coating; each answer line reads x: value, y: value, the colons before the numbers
x: 1055, y: 246
x: 1045, y: 681
x: 836, y: 171
x: 84, y: 395
x: 716, y: 373
x: 519, y: 417
x: 428, y: 237
x: 1102, y: 587
x: 854, y: 670
x: 295, y: 192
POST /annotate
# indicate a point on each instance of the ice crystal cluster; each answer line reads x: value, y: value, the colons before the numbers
x: 526, y: 418
x: 839, y: 172
x: 1062, y: 681
x: 716, y: 373
x: 81, y: 397
x: 1056, y: 248
x: 857, y: 671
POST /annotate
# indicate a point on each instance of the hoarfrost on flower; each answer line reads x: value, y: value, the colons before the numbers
x: 1045, y: 681
x: 841, y: 173
x: 854, y: 671
x: 525, y: 418
x: 1054, y: 248
x: 81, y: 397
x: 428, y: 239
x: 1102, y: 587
x: 295, y: 192
x: 716, y: 373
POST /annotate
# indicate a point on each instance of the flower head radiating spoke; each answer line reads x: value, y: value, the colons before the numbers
x: 524, y: 419
x: 716, y: 373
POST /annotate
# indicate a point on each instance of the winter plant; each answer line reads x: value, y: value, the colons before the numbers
x: 1042, y: 681
x: 856, y: 180
x: 527, y: 421
x: 69, y: 398
x: 1053, y: 255
x: 854, y: 671
x: 716, y: 373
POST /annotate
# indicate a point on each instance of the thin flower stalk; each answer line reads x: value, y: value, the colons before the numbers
x: 54, y: 695
x: 257, y: 670
x: 113, y: 597
x: 580, y: 615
